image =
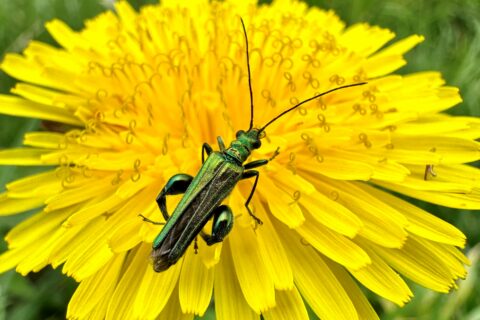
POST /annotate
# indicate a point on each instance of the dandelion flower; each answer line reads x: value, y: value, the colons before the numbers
x: 129, y: 101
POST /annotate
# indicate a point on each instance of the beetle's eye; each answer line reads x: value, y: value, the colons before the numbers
x: 239, y: 133
x: 256, y: 144
x: 262, y: 135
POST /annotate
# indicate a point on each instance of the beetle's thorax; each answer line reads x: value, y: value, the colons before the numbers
x: 243, y: 145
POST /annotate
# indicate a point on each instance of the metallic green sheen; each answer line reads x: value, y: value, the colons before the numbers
x: 212, y: 184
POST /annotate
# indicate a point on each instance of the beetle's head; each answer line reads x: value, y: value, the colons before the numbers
x: 250, y: 138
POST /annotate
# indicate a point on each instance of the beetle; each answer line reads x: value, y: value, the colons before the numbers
x: 204, y: 193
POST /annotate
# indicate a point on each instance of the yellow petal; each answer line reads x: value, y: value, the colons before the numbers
x: 376, y: 36
x: 49, y: 140
x: 401, y: 46
x: 331, y: 214
x: 272, y: 250
x: 24, y: 157
x: 255, y: 281
x: 417, y: 262
x: 98, y: 287
x: 289, y: 305
x: 451, y: 150
x: 421, y: 222
x: 384, y: 229
x: 85, y: 259
x: 23, y: 108
x: 316, y: 282
x: 282, y: 205
x: 156, y: 290
x: 357, y: 296
x: 121, y: 303
x: 45, y: 183
x: 65, y: 36
x: 33, y: 227
x: 382, y: 280
x: 88, y: 190
x: 230, y: 303
x: 11, y: 258
x: 453, y: 200
x: 333, y: 245
x: 91, y: 211
x: 381, y: 65
x: 196, y: 283
x: 173, y: 311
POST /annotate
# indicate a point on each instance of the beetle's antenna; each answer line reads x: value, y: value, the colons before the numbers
x: 249, y: 76
x: 310, y: 99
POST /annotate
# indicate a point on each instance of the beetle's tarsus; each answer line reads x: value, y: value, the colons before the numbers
x: 151, y: 221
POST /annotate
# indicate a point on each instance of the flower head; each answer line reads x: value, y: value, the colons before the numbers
x: 128, y: 102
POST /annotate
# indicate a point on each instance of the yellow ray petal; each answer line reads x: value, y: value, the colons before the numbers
x: 98, y: 287
x: 93, y: 253
x: 384, y: 229
x: 41, y: 184
x: 451, y: 150
x: 23, y: 108
x: 452, y: 256
x: 11, y: 258
x: 334, y: 167
x: 316, y: 282
x: 417, y: 262
x: 421, y: 222
x: 357, y: 296
x: 32, y: 228
x: 453, y: 200
x: 88, y: 190
x: 9, y: 206
x: 331, y: 214
x: 282, y: 205
x: 26, y: 70
x: 333, y: 245
x: 91, y: 211
x: 272, y: 251
x: 50, y: 140
x: 121, y: 303
x: 196, y: 283
x: 155, y: 291
x: 36, y: 94
x: 382, y: 280
x: 289, y: 305
x: 173, y: 311
x: 230, y: 302
x: 377, y: 37
x: 24, y: 157
x: 377, y: 66
x: 458, y: 173
x: 401, y: 46
x: 417, y: 181
x: 255, y: 281
x: 65, y: 36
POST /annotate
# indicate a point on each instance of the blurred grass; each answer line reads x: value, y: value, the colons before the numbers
x: 452, y: 46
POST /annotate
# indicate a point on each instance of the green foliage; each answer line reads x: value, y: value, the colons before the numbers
x: 452, y: 46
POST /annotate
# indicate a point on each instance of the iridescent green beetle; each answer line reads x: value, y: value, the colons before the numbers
x: 204, y: 193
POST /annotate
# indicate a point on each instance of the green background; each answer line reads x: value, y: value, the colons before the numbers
x: 452, y: 46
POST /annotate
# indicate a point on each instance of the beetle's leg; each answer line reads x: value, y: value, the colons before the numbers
x: 246, y: 175
x: 221, y: 145
x: 262, y: 162
x: 195, y: 245
x: 206, y: 148
x: 151, y: 221
x: 255, y: 164
x: 177, y: 184
x: 222, y: 224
